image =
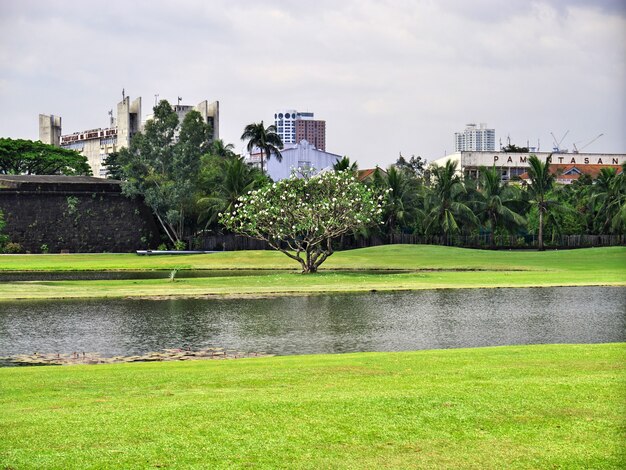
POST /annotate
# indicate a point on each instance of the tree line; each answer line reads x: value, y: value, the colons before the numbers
x: 187, y: 180
x: 440, y: 201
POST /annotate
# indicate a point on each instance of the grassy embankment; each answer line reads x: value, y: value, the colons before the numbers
x: 556, y: 406
x: 437, y: 267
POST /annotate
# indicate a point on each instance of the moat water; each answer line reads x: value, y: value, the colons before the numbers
x: 395, y: 321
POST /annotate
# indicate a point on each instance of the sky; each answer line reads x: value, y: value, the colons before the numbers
x: 387, y: 76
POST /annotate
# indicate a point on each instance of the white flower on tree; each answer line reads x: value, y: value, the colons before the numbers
x: 302, y: 225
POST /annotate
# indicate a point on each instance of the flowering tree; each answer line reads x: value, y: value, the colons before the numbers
x: 300, y: 216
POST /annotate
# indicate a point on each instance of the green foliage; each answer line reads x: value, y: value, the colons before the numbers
x: 222, y: 181
x: 414, y: 165
x: 219, y: 149
x: 608, y: 202
x: 301, y: 216
x: 346, y: 165
x: 446, y: 209
x: 4, y: 239
x: 25, y: 157
x: 403, y: 201
x: 541, y: 182
x: 499, y: 206
x: 163, y: 168
x: 44, y: 248
x: 113, y: 167
x: 12, y: 248
x: 265, y: 139
x: 72, y: 204
x: 512, y: 148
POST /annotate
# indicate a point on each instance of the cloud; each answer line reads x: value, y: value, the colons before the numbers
x: 387, y: 76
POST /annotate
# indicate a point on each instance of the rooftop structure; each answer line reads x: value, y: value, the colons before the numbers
x: 514, y: 165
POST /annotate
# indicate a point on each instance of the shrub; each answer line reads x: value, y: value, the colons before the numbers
x: 13, y: 248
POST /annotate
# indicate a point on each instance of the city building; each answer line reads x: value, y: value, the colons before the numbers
x: 567, y: 166
x: 303, y: 155
x: 313, y: 131
x: 475, y: 138
x: 96, y: 144
x: 293, y: 127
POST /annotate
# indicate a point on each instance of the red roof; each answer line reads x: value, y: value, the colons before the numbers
x: 368, y: 173
x: 568, y: 173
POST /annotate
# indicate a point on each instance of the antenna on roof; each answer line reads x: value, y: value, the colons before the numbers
x: 156, y: 99
x: 179, y: 100
x: 123, y: 95
x: 111, y: 117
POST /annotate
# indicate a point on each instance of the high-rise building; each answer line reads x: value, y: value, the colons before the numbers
x: 293, y: 126
x: 475, y: 138
x: 312, y: 131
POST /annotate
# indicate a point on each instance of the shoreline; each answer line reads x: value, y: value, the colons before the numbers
x: 300, y: 293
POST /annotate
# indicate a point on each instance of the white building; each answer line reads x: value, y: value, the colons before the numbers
x: 513, y: 165
x: 475, y: 138
x: 285, y: 122
x: 303, y: 155
x: 96, y: 144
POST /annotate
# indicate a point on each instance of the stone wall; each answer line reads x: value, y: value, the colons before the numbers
x: 73, y: 213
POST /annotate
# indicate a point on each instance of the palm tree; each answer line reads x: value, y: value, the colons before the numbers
x: 541, y: 182
x: 220, y: 149
x: 402, y: 203
x: 265, y: 139
x: 236, y: 178
x: 497, y: 203
x: 345, y: 165
x: 444, y: 205
x: 608, y: 201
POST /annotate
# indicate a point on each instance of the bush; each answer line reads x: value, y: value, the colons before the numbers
x: 4, y: 239
x: 13, y: 248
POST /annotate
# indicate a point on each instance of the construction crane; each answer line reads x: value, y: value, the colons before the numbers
x: 578, y: 150
x: 557, y: 145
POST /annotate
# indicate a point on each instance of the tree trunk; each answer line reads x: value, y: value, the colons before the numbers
x: 540, y: 235
x: 262, y: 162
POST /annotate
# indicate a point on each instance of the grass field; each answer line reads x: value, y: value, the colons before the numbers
x: 439, y: 267
x: 379, y: 257
x: 556, y: 406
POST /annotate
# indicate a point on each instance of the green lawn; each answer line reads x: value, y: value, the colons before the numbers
x: 555, y: 406
x: 380, y: 257
x: 441, y: 267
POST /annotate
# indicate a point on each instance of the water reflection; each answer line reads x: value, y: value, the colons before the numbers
x: 398, y: 321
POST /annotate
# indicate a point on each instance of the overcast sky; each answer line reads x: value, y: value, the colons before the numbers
x: 387, y: 76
